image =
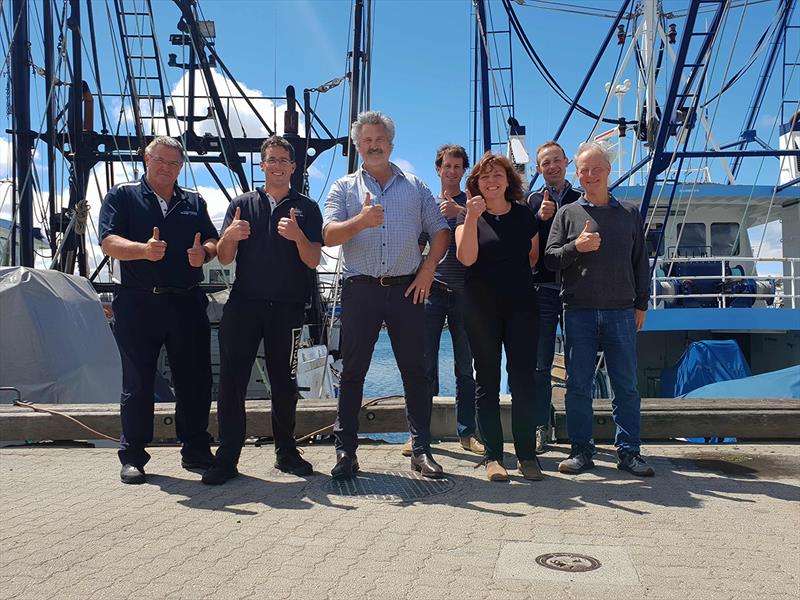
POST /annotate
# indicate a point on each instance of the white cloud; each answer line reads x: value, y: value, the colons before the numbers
x: 405, y: 165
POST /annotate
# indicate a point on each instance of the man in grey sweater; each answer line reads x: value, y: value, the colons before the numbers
x: 597, y: 243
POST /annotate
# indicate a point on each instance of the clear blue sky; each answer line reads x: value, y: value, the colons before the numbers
x: 421, y: 67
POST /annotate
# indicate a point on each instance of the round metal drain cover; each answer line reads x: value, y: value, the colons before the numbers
x: 389, y: 486
x: 568, y: 561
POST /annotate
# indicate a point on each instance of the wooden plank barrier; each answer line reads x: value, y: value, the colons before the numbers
x: 662, y: 418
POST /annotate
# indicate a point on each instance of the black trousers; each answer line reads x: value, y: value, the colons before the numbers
x: 143, y: 323
x: 244, y: 324
x: 494, y: 323
x: 365, y: 307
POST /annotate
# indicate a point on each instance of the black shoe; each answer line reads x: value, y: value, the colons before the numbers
x: 218, y: 474
x: 578, y: 462
x: 193, y: 464
x: 635, y: 464
x: 426, y: 466
x: 346, y: 466
x: 131, y: 474
x: 292, y: 462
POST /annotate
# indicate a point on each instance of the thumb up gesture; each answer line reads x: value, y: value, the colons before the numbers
x: 587, y: 241
x: 289, y: 229
x: 155, y: 248
x: 476, y: 205
x: 548, y: 207
x: 196, y: 254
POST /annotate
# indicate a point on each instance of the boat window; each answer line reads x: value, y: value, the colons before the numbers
x: 692, y: 238
x: 725, y: 239
x: 653, y: 238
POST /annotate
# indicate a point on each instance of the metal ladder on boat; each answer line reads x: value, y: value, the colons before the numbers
x: 495, y: 38
x: 143, y: 67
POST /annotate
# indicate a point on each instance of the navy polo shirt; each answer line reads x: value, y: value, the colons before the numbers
x: 131, y: 210
x: 268, y: 266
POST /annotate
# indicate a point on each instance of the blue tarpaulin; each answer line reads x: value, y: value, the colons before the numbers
x: 704, y: 362
x: 775, y: 384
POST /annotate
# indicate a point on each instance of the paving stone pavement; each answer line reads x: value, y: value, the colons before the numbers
x: 716, y: 522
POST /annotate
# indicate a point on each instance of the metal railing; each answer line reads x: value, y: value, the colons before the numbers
x: 785, y: 294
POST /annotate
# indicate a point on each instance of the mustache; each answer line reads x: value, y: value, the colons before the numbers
x: 375, y: 151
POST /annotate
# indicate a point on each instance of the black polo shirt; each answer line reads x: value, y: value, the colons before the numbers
x: 268, y: 266
x: 131, y: 210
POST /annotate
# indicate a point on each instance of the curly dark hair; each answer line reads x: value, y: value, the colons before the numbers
x: 514, y: 193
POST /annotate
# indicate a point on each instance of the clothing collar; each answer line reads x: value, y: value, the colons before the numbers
x: 395, y: 171
x: 178, y: 192
x: 290, y: 196
x: 611, y: 201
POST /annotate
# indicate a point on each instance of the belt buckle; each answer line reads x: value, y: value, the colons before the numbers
x: 380, y: 281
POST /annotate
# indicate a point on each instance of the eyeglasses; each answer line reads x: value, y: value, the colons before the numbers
x: 172, y: 164
x: 278, y: 161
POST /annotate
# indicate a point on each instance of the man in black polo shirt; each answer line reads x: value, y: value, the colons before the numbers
x: 162, y: 235
x: 275, y: 235
x: 551, y: 163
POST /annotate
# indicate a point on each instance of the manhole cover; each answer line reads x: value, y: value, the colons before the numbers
x: 389, y: 486
x: 568, y: 561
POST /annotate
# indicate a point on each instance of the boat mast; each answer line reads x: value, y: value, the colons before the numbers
x: 23, y: 141
x: 356, y: 57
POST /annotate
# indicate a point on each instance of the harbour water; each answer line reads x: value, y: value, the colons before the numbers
x: 383, y: 377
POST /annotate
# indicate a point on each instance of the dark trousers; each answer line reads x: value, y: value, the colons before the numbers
x: 440, y: 305
x: 365, y: 306
x: 549, y: 317
x: 143, y: 323
x: 493, y: 324
x: 244, y: 324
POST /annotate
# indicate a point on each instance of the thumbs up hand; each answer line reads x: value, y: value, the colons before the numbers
x: 197, y: 254
x: 476, y: 206
x: 239, y: 229
x: 587, y: 241
x: 155, y: 248
x: 289, y: 229
x: 371, y: 215
x: 449, y: 208
x: 548, y: 207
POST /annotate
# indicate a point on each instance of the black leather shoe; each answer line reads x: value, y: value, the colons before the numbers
x: 218, y: 474
x: 346, y: 466
x: 193, y: 464
x: 131, y: 474
x: 426, y: 466
x: 293, y: 463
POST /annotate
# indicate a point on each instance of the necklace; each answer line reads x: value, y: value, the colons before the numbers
x: 500, y: 214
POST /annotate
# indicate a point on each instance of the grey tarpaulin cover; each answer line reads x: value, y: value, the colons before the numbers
x: 55, y: 344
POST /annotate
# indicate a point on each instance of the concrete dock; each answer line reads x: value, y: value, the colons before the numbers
x: 716, y: 522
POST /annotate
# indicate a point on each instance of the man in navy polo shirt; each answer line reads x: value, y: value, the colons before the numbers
x: 275, y: 235
x: 161, y: 234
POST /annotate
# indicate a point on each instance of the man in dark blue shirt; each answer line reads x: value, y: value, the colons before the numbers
x: 446, y: 300
x: 161, y: 234
x: 551, y: 164
x: 275, y: 235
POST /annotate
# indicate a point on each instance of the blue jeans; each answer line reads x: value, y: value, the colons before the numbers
x: 613, y: 331
x: 549, y: 316
x: 441, y: 304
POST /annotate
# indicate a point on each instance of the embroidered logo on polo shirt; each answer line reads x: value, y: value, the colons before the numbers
x: 298, y: 212
x: 190, y: 213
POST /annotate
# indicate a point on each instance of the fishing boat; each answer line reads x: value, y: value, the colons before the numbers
x: 698, y: 193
